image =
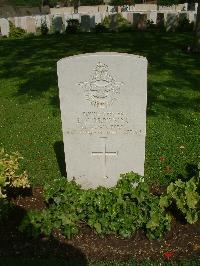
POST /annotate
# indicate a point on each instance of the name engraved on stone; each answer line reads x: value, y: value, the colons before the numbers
x: 102, y: 89
x: 96, y: 120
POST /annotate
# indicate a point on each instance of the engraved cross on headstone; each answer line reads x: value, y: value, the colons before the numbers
x: 104, y: 155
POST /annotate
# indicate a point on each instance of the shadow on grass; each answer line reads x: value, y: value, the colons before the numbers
x: 33, y: 62
x: 60, y: 156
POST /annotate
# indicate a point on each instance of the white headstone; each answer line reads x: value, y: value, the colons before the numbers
x: 17, y: 22
x: 24, y: 23
x: 98, y: 18
x: 31, y: 25
x: 153, y: 16
x: 76, y: 16
x: 103, y: 108
x: 4, y: 27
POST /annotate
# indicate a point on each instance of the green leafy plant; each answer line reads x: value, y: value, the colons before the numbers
x: 99, y: 28
x: 9, y: 176
x: 15, y: 31
x: 122, y: 209
x: 44, y: 28
x: 116, y: 22
x: 73, y: 26
x: 186, y: 196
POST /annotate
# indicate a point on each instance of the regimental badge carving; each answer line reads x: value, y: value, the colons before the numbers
x: 102, y: 89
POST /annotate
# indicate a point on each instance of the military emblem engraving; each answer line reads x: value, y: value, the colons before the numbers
x: 102, y: 89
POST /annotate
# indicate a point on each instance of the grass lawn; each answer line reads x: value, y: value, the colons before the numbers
x: 29, y: 104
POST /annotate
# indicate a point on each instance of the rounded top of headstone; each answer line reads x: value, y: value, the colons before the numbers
x: 133, y: 56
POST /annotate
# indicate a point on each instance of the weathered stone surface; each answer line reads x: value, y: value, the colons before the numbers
x: 4, y: 27
x: 103, y: 108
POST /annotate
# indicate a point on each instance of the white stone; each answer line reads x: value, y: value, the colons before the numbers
x: 103, y: 109
x: 23, y: 23
x: 17, y: 22
x: 31, y: 25
x: 191, y: 16
x: 4, y: 27
x: 153, y: 17
x: 76, y: 16
x: 98, y: 18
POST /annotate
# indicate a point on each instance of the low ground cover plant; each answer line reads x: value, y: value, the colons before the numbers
x: 10, y: 177
x: 186, y: 197
x: 121, y: 210
x: 16, y: 32
x: 9, y: 173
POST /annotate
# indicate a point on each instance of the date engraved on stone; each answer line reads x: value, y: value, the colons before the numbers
x: 102, y: 89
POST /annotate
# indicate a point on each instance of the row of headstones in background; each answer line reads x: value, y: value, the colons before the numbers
x: 59, y: 22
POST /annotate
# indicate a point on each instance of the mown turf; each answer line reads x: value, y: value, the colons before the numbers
x: 29, y: 105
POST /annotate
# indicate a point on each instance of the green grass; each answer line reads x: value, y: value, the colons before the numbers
x: 29, y: 105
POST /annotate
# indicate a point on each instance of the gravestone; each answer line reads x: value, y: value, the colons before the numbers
x: 92, y: 21
x: 130, y: 17
x: 85, y: 23
x: 4, y: 27
x: 171, y: 22
x: 160, y: 22
x: 98, y: 18
x: 58, y: 24
x: 76, y: 16
x: 142, y: 23
x: 136, y: 19
x: 24, y: 23
x: 103, y: 109
x: 183, y: 18
x: 17, y: 22
x: 31, y: 25
x: 153, y: 16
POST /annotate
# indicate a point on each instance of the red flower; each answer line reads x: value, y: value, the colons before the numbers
x: 168, y: 255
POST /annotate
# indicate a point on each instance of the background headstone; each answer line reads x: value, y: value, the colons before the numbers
x: 171, y: 22
x: 98, y: 18
x: 153, y: 16
x: 142, y: 23
x: 4, y: 27
x: 103, y: 108
x: 31, y: 25
x: 24, y: 23
x: 136, y: 19
x: 85, y: 23
x: 92, y: 21
x: 58, y: 24
x: 130, y: 17
x: 160, y: 22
